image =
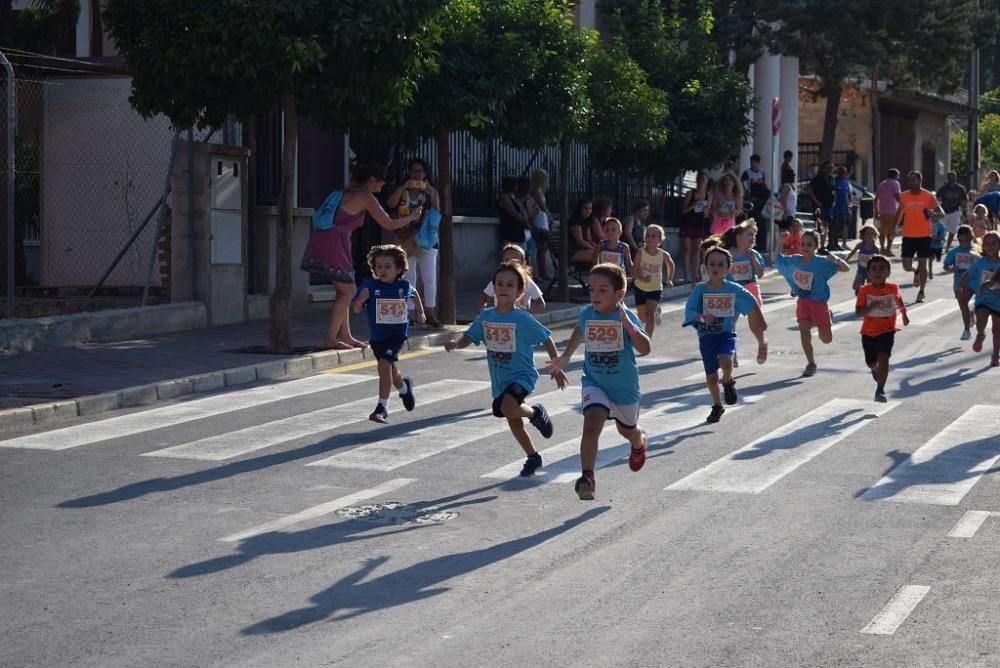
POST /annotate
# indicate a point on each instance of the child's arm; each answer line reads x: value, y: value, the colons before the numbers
x: 452, y: 344
x: 841, y: 265
x: 963, y: 282
x: 902, y: 309
x: 571, y: 346
x: 537, y: 305
x: 418, y: 308
x: 668, y: 262
x: 359, y: 302
x: 758, y: 269
x: 639, y: 338
x: 853, y: 252
x: 596, y: 257
x: 628, y: 262
x: 554, y: 369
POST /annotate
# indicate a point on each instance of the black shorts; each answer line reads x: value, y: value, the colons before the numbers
x: 388, y: 349
x: 936, y: 253
x: 641, y: 296
x: 514, y: 390
x: 873, y: 345
x: 916, y: 246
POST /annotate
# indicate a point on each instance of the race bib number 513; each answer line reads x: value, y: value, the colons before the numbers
x: 603, y: 336
x: 390, y: 311
x: 500, y: 336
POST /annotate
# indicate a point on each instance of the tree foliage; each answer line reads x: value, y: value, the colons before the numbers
x: 38, y: 27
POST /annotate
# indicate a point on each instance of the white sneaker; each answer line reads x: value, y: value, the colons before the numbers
x: 966, y: 335
x: 659, y: 316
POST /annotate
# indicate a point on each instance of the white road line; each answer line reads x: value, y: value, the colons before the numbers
x: 928, y: 312
x: 758, y: 465
x: 243, y: 441
x: 318, y: 511
x: 970, y: 523
x: 187, y: 411
x: 561, y: 463
x: 389, y: 454
x: 943, y: 470
x: 896, y: 610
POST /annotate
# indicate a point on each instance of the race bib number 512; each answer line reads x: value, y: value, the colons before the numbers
x: 500, y: 336
x: 603, y: 336
x: 390, y: 311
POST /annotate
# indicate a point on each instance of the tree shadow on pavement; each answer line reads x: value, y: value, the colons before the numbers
x: 338, y: 440
x: 358, y: 594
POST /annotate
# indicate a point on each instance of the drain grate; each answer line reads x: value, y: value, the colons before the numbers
x: 393, y: 512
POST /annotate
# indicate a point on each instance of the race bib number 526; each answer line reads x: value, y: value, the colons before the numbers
x: 719, y: 306
x: 390, y: 311
x: 603, y: 336
x: 500, y: 336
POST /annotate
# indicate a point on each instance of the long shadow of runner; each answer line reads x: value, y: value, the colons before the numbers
x: 804, y: 434
x: 354, y: 598
x: 907, y: 388
x: 328, y: 535
x: 338, y: 440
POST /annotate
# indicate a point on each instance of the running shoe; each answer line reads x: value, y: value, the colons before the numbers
x: 810, y: 370
x: 930, y: 275
x: 531, y: 464
x: 637, y: 456
x: 586, y: 486
x: 541, y: 421
x: 379, y: 415
x: 406, y: 394
x: 995, y: 361
x: 966, y: 335
x: 920, y: 297
x: 880, y: 396
x: 729, y: 392
x: 977, y: 345
x: 716, y: 414
x: 658, y: 317
x: 762, y: 353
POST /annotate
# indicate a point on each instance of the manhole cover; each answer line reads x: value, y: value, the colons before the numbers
x: 393, y: 512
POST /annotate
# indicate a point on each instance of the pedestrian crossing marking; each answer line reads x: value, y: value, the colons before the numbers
x: 763, y: 462
x: 895, y: 612
x: 242, y: 441
x: 179, y: 413
x: 969, y: 525
x: 944, y: 469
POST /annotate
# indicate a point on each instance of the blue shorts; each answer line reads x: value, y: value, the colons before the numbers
x: 714, y: 346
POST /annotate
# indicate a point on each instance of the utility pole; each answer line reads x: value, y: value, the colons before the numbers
x: 974, y: 120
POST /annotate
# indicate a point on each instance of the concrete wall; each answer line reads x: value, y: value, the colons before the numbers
x: 932, y: 130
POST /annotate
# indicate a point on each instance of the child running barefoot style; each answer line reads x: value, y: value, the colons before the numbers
x: 510, y: 335
x: 613, y: 250
x: 611, y: 334
x: 712, y: 309
x: 384, y: 297
x: 649, y: 262
x: 532, y: 300
x: 747, y: 264
x: 957, y: 261
x: 866, y: 249
x: 809, y: 276
x: 984, y: 279
x: 877, y: 303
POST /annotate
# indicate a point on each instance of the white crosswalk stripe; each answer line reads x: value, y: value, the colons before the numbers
x: 179, y: 413
x: 243, y: 441
x: 763, y: 462
x: 948, y: 466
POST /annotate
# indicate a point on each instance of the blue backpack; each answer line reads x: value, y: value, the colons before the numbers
x: 427, y: 235
x: 324, y: 215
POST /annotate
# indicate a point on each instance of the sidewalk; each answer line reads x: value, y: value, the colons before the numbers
x: 60, y: 383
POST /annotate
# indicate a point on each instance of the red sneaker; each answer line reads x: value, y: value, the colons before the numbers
x: 637, y: 456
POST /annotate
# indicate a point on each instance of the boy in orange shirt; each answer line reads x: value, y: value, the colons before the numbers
x: 877, y: 303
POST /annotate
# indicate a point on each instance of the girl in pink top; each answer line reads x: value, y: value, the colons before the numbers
x: 724, y: 203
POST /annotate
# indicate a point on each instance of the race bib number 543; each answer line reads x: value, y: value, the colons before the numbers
x: 390, y: 311
x: 500, y: 336
x: 603, y: 336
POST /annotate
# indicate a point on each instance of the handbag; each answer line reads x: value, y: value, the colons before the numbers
x: 323, y: 216
x: 772, y: 208
x: 427, y: 236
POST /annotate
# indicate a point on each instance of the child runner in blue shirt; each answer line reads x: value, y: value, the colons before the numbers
x: 865, y: 249
x: 384, y: 297
x: 510, y: 335
x: 984, y: 279
x: 712, y: 308
x: 611, y: 334
x: 809, y: 276
x: 613, y: 250
x: 938, y: 234
x: 957, y: 261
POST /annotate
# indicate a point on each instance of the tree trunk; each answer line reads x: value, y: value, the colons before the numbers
x: 96, y: 30
x: 446, y: 253
x: 565, y: 156
x: 876, y: 166
x: 281, y: 300
x: 832, y: 94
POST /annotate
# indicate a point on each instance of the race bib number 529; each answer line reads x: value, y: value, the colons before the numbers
x: 390, y: 311
x: 500, y: 336
x: 603, y: 336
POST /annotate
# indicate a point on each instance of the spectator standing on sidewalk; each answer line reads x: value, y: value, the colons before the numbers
x: 724, y: 204
x: 886, y: 205
x: 693, y: 225
x: 601, y: 212
x: 823, y: 196
x: 755, y: 187
x: 953, y: 198
x: 841, y: 210
x: 787, y: 171
x: 634, y: 225
x: 992, y: 182
x: 541, y: 221
x: 417, y: 191
x: 514, y: 222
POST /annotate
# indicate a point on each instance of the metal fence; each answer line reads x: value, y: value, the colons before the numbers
x: 808, y: 159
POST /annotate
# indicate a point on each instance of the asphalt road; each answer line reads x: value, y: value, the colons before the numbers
x: 277, y: 526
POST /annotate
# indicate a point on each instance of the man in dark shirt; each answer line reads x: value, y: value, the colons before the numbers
x: 821, y: 191
x: 787, y: 172
x: 953, y: 199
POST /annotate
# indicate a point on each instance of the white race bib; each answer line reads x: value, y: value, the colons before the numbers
x: 611, y: 257
x: 863, y: 260
x: 964, y: 260
x: 803, y: 279
x: 741, y: 271
x: 648, y: 270
x: 700, y: 205
x: 986, y: 276
x: 882, y: 306
x: 500, y: 337
x: 604, y: 336
x: 390, y: 311
x: 719, y: 306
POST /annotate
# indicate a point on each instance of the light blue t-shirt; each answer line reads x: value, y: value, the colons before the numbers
x: 724, y: 302
x: 842, y: 190
x: 510, y: 339
x: 938, y: 233
x: 959, y: 259
x: 809, y: 281
x: 609, y: 357
x: 977, y: 273
x: 742, y: 270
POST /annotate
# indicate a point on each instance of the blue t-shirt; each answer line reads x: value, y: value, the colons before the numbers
x: 960, y: 259
x: 991, y: 201
x: 938, y: 233
x: 980, y: 270
x: 724, y: 303
x: 742, y: 270
x: 386, y: 308
x: 609, y: 358
x: 618, y: 248
x: 842, y: 189
x: 809, y: 281
x: 865, y: 253
x: 510, y: 339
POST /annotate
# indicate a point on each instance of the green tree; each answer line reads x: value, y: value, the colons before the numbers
x: 198, y: 62
x: 39, y: 26
x: 989, y: 140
